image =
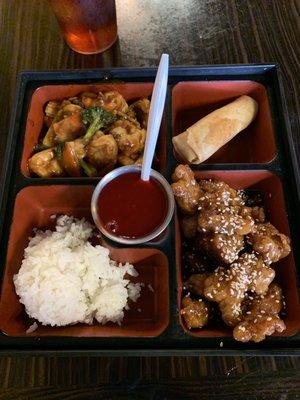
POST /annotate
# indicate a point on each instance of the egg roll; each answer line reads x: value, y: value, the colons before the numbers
x: 209, y: 134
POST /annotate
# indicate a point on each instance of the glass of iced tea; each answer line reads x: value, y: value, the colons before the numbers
x: 88, y: 26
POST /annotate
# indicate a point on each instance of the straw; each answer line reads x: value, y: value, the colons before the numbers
x: 155, y: 114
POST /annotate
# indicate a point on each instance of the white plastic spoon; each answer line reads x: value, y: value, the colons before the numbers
x: 155, y: 114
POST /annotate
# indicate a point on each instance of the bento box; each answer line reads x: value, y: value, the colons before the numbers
x: 262, y: 160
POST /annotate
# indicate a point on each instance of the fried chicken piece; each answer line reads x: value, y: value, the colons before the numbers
x: 130, y: 139
x: 221, y: 247
x: 195, y: 283
x: 229, y: 220
x: 45, y: 164
x: 111, y: 101
x: 267, y: 241
x: 102, y: 150
x: 261, y: 318
x: 222, y: 209
x: 218, y: 194
x: 194, y: 312
x: 228, y: 287
x: 189, y: 225
x: 141, y: 110
x: 186, y: 190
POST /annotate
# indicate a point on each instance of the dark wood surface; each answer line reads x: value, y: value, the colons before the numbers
x: 192, y: 32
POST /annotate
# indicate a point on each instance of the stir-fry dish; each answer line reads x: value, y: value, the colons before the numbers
x: 228, y: 251
x: 89, y: 135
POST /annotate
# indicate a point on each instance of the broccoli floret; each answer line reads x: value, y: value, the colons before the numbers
x: 96, y: 118
x: 59, y: 150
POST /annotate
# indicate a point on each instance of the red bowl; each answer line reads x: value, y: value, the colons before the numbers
x: 34, y: 125
x: 192, y: 101
x: 270, y: 187
x: 40, y: 202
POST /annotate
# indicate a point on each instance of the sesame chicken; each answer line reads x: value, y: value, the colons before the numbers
x: 261, y: 318
x: 267, y: 241
x: 186, y: 190
x: 228, y: 248
x: 218, y: 194
x: 229, y: 220
x: 223, y: 248
x: 195, y: 312
x: 228, y: 287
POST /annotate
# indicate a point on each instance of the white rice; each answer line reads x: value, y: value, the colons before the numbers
x: 65, y: 280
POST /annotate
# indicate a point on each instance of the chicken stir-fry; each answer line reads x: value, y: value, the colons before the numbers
x: 66, y: 125
x: 102, y: 150
x: 229, y: 247
x: 129, y: 137
x: 90, y: 134
x: 45, y: 164
x: 72, y: 155
x: 141, y: 110
x: 111, y: 101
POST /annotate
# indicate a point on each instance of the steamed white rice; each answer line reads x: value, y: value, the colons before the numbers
x: 64, y: 279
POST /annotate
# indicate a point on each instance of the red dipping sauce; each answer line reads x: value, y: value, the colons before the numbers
x: 132, y: 208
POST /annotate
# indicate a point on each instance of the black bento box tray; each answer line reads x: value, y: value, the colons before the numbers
x: 174, y: 340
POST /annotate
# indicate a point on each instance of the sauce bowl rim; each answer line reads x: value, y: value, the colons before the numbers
x: 121, y: 171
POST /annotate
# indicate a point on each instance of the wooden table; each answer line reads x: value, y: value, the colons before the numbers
x: 192, y: 32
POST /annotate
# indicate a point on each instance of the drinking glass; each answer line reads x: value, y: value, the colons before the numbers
x: 88, y: 26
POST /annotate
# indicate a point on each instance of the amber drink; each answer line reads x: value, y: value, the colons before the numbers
x: 88, y: 26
